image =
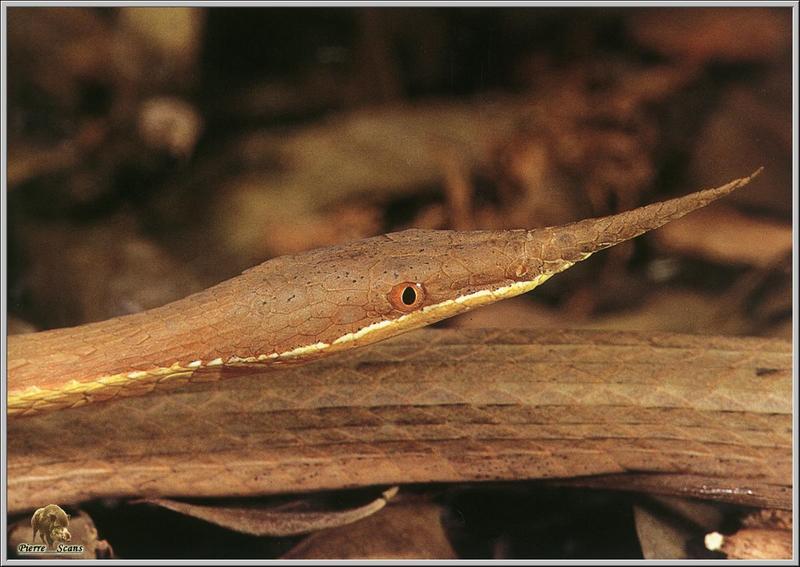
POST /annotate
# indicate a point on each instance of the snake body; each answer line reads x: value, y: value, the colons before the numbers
x: 700, y: 416
x: 294, y: 309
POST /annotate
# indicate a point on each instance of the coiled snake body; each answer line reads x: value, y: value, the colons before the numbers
x: 295, y: 309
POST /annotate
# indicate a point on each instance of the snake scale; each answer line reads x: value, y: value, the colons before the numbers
x: 294, y: 309
x: 705, y: 417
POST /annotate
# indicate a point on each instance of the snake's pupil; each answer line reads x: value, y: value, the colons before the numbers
x: 409, y: 296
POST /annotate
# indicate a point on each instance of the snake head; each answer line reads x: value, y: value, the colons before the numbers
x: 379, y: 287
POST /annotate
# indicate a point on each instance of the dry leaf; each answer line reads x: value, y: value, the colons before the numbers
x: 273, y: 521
x: 669, y: 528
x: 401, y: 531
x: 722, y: 234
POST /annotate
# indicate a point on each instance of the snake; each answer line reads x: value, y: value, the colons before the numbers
x: 295, y: 309
x: 697, y: 416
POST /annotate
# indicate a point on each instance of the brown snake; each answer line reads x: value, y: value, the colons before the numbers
x: 294, y: 309
x: 674, y: 414
x: 699, y: 416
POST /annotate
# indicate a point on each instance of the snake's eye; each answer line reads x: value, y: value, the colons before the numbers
x: 407, y: 296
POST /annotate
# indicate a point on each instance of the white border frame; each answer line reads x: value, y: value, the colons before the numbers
x: 3, y: 250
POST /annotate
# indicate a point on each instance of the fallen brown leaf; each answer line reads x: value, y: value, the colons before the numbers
x: 276, y: 521
x: 401, y: 531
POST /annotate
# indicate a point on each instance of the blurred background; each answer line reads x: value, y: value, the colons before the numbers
x: 153, y: 152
